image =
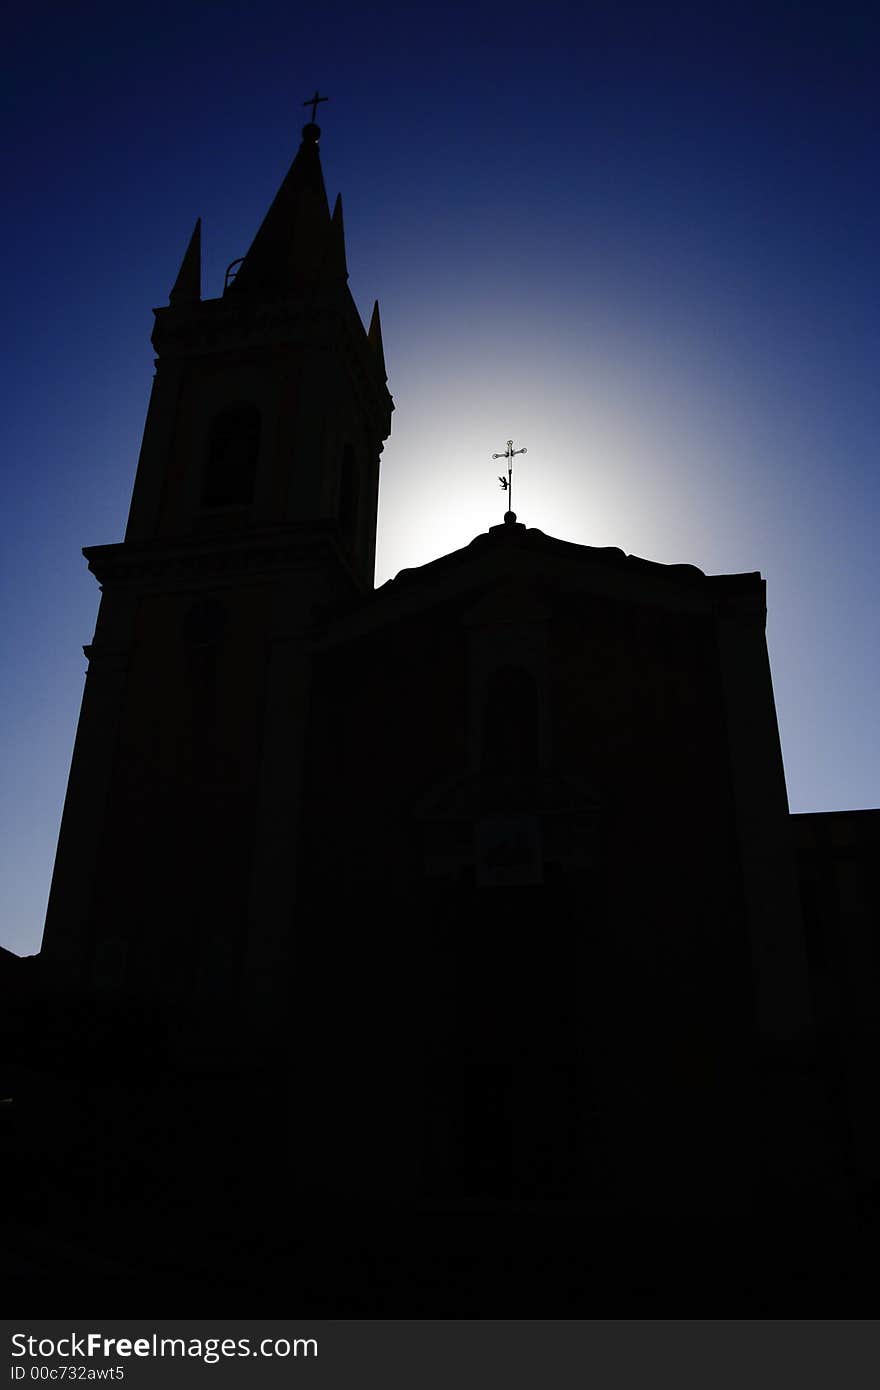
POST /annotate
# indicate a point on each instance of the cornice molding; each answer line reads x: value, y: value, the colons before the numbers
x: 173, y: 564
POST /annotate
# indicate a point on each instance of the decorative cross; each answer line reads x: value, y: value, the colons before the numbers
x: 313, y: 103
x: 507, y: 483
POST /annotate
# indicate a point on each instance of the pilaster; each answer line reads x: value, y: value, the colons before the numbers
x: 67, y: 942
x: 782, y: 999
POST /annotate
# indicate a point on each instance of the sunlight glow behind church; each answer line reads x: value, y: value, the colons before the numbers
x: 609, y: 464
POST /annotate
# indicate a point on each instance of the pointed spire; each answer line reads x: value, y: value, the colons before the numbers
x: 291, y: 245
x: 335, y: 266
x: 187, y: 287
x: 374, y: 338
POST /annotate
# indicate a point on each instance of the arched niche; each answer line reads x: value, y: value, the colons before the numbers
x: 232, y: 452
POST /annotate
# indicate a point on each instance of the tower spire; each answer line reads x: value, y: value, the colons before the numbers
x: 374, y: 338
x: 291, y: 247
x: 187, y: 288
x: 336, y: 266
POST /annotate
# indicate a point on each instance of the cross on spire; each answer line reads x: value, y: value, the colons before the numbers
x: 313, y: 103
x: 507, y: 483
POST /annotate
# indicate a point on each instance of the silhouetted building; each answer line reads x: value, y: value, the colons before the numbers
x: 484, y: 879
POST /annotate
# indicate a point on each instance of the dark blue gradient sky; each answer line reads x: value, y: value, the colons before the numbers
x: 640, y: 239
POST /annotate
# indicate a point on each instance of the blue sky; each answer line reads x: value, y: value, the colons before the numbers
x: 641, y: 240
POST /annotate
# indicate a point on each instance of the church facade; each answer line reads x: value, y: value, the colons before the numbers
x: 497, y: 857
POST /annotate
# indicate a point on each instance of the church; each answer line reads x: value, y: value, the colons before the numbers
x: 463, y: 918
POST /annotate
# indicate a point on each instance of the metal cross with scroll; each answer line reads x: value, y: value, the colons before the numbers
x: 507, y: 483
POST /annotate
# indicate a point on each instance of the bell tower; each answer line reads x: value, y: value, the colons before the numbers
x: 254, y: 505
x: 269, y: 406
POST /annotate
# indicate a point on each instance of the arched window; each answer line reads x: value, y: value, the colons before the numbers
x: 349, y: 490
x: 231, y: 463
x: 510, y: 727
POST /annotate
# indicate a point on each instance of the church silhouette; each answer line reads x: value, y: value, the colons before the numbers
x: 445, y: 949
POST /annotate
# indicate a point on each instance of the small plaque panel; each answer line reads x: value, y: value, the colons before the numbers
x: 508, y: 850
